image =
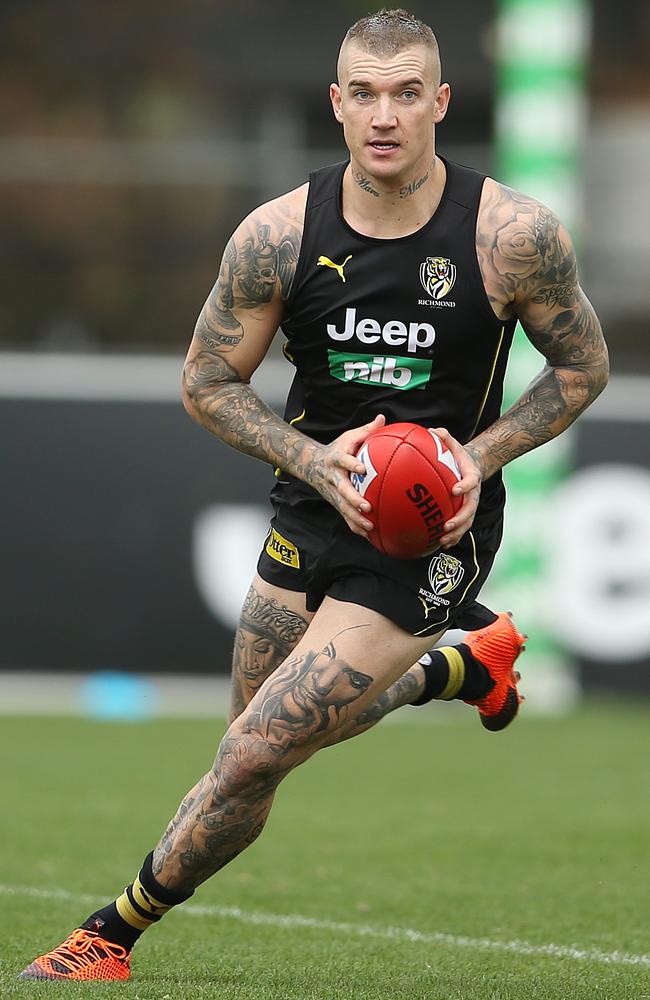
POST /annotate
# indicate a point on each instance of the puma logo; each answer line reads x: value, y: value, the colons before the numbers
x: 426, y: 607
x: 326, y: 262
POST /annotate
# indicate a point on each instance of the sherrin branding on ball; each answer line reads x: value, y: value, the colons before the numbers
x: 408, y: 482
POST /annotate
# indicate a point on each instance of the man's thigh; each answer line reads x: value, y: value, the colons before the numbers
x: 347, y: 657
x: 272, y: 621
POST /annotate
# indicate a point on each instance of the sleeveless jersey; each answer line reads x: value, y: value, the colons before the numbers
x: 398, y: 326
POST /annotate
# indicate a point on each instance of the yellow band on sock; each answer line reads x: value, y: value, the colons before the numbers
x: 130, y: 915
x: 147, y: 902
x: 456, y: 673
x: 138, y: 908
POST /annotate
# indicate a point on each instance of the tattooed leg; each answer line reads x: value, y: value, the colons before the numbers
x: 333, y: 675
x: 404, y: 691
x: 268, y: 631
x: 272, y: 622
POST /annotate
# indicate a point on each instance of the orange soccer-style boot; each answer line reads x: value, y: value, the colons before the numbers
x: 83, y: 955
x: 497, y: 647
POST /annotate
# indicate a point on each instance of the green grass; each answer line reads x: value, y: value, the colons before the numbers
x: 540, y: 834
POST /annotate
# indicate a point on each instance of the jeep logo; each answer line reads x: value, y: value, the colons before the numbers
x: 394, y: 332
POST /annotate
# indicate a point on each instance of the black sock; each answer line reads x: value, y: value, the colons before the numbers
x: 453, y: 672
x: 142, y: 904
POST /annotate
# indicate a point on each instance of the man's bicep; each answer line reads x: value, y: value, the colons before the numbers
x: 560, y: 321
x: 244, y: 308
x: 566, y: 332
x: 550, y: 304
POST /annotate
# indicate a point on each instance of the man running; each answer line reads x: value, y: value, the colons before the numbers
x: 398, y: 278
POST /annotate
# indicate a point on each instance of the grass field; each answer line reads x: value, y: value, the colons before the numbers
x: 429, y: 860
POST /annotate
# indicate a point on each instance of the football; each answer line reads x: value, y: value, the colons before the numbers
x: 409, y: 477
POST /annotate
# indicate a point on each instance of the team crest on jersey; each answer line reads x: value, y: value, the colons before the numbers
x: 445, y: 573
x: 438, y: 277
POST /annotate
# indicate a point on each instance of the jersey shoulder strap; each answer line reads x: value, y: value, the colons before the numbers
x: 464, y: 185
x: 321, y: 212
x: 324, y: 185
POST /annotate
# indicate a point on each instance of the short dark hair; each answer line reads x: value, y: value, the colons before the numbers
x: 389, y: 31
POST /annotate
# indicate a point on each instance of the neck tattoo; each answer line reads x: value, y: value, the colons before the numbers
x: 365, y: 184
x: 413, y: 186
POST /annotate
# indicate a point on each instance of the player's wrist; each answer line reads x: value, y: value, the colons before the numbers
x: 307, y: 460
x: 483, y: 461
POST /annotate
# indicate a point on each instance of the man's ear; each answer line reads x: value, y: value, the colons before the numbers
x: 442, y: 102
x: 335, y: 98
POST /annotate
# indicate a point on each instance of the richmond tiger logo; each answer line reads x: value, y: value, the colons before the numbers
x: 438, y: 276
x: 445, y: 573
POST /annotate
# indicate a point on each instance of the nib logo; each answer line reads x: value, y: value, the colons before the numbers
x: 399, y: 373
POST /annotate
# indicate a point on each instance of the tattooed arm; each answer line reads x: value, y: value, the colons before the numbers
x: 232, y: 335
x: 528, y: 260
x: 529, y: 270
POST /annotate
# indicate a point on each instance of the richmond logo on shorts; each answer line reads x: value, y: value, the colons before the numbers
x: 438, y: 277
x: 445, y: 573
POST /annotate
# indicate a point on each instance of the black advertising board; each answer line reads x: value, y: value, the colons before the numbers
x: 606, y: 510
x: 103, y: 507
x: 128, y: 537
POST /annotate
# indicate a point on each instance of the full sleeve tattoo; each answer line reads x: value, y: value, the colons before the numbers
x: 527, y: 257
x: 232, y: 335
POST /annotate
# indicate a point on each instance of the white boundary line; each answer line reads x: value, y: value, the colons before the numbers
x: 400, y: 934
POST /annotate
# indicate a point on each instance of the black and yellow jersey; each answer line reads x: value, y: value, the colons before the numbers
x: 398, y: 326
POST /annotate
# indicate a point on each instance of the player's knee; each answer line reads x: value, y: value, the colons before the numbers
x: 246, y: 762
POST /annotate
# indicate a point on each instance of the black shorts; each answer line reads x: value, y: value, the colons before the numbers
x: 311, y: 550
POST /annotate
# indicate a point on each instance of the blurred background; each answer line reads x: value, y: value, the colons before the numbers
x: 133, y: 138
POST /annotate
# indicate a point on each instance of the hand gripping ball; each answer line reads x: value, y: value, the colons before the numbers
x: 409, y: 477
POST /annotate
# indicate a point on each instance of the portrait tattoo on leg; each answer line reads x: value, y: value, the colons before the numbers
x: 311, y: 696
x: 267, y: 634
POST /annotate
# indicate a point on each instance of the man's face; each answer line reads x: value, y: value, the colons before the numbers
x: 388, y: 106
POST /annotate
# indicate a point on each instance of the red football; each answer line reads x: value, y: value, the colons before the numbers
x: 408, y: 482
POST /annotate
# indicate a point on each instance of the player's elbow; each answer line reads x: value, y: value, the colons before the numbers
x: 600, y: 376
x: 190, y: 391
x: 188, y: 403
x: 198, y: 387
x: 591, y: 381
x: 202, y: 382
x: 605, y: 369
